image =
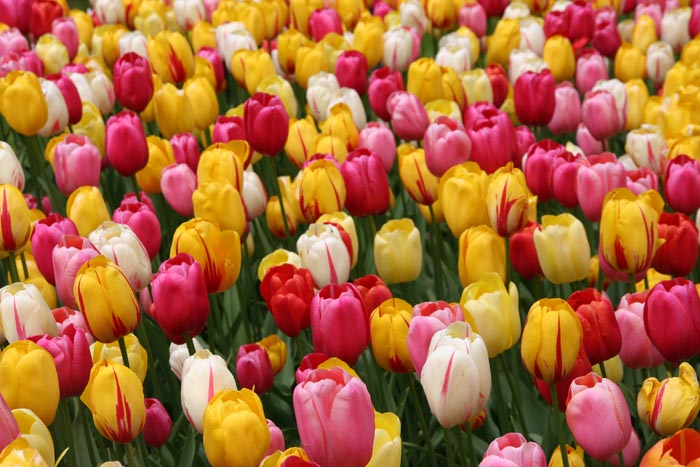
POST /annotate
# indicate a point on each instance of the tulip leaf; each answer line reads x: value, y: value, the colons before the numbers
x: 188, y: 452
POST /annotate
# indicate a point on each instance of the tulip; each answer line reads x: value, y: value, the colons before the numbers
x: 158, y: 424
x: 253, y: 368
x: 382, y: 83
x: 587, y: 143
x: 378, y: 138
x: 218, y: 251
x: 71, y: 354
x: 321, y: 189
x: 575, y: 457
x: 106, y: 299
x: 171, y: 57
x: 340, y: 302
x: 11, y: 173
x: 601, y: 333
x: 224, y: 163
x: 680, y: 184
x: 515, y: 448
x: 493, y: 140
x: 34, y: 434
x: 466, y: 182
x: 262, y: 113
x: 533, y: 110
x: 505, y: 38
x: 562, y: 248
x: 77, y: 163
x: 678, y: 254
x: 647, y: 147
x: 143, y: 222
x: 57, y: 118
x: 71, y: 97
x: 186, y: 149
x: 374, y: 291
x: 678, y: 449
x: 69, y: 254
x: 567, y: 109
x: 524, y: 251
x: 237, y: 415
x: 507, y: 200
x: 608, y: 435
x: 590, y: 68
x: 345, y: 119
x: 136, y: 354
x: 22, y: 90
x: 47, y: 233
x: 456, y: 376
x: 174, y: 111
x: 549, y: 359
x: 637, y: 350
x: 327, y: 252
x: 471, y: 263
x: 628, y: 231
x: 391, y: 243
x: 366, y: 182
x: 24, y: 312
x: 121, y: 245
x: 389, y: 324
x: 672, y: 404
x: 322, y: 403
x: 486, y: 303
x: 594, y: 182
x: 428, y: 318
x: 446, y: 145
x: 125, y: 143
x: 14, y: 220
x: 351, y: 71
x: 641, y: 180
x: 672, y: 319
x: 177, y: 183
x: 133, y: 84
x: 276, y: 350
x: 409, y: 119
x: 420, y: 183
x: 600, y: 115
x: 226, y: 129
x: 288, y: 291
x: 19, y: 362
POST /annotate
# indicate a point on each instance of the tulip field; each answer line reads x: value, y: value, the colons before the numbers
x: 349, y: 233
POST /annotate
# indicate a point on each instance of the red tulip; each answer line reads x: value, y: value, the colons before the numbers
x: 601, y: 332
x: 125, y: 143
x: 580, y: 20
x: 288, y: 292
x: 678, y: 254
x: 606, y: 37
x: 499, y: 83
x: 351, y: 71
x: 534, y: 97
x: 44, y: 12
x: 366, y: 182
x: 46, y: 235
x: 494, y: 143
x: 523, y: 252
x: 373, y: 289
x: 133, y: 83
x: 266, y: 123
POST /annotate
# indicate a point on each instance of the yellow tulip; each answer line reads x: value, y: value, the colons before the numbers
x: 35, y: 432
x: 559, y: 55
x: 21, y: 90
x: 174, y: 110
x: 630, y: 63
x: 321, y: 189
x: 138, y: 358
x: 386, y: 451
x: 481, y: 250
x: 562, y: 248
x: 398, y: 253
x: 249, y: 67
x: 205, y: 105
x: 462, y: 191
x: 15, y: 227
x: 86, y: 207
x: 171, y: 57
x: 221, y: 203
x: 160, y: 155
x: 223, y: 163
x: 388, y: 331
x: 507, y: 200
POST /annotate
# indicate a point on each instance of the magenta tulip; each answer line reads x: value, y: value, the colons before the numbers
x: 253, y: 368
x: 133, y: 83
x: 534, y: 97
x: 144, y: 222
x: 158, y: 426
x: 382, y: 83
x: 186, y: 150
x: 682, y: 184
x: 324, y: 21
x: 46, y: 235
x: 494, y: 143
x: 266, y: 123
x: 68, y: 256
x: 428, y: 318
x: 408, y: 116
x: 513, y: 449
x: 446, y: 145
x: 227, y: 129
x: 366, y: 182
x: 125, y: 143
x: 637, y: 350
x: 351, y: 71
x: 606, y: 37
x: 71, y: 96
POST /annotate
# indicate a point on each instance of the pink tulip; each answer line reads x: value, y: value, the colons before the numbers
x: 133, y: 84
x: 67, y: 317
x: 580, y: 20
x: 68, y: 256
x: 567, y: 109
x: 378, y: 138
x: 682, y: 184
x: 253, y: 368
x: 637, y: 350
x: 446, y: 145
x: 630, y: 454
x: 77, y: 162
x: 598, y: 417
x: 494, y: 143
x: 158, y: 426
x: 595, y: 181
x: 367, y: 183
x: 217, y: 64
x: 585, y: 140
x: 335, y: 418
x: 71, y: 96
x: 12, y: 40
x: 178, y: 182
x: 71, y: 353
x: 428, y: 318
x: 9, y: 430
x: 606, y: 38
x: 513, y: 447
x: 473, y: 16
x: 66, y: 30
x: 551, y: 170
x: 324, y: 21
x: 227, y: 129
x: 130, y: 198
x: 534, y: 97
x: 46, y: 235
x: 125, y: 143
x: 144, y: 222
x: 408, y: 116
x: 525, y: 139
x: 351, y: 71
x: 555, y: 24
x: 590, y: 68
x: 382, y: 83
x: 642, y: 180
x: 276, y: 438
x: 186, y: 149
x: 340, y: 322
x: 600, y: 115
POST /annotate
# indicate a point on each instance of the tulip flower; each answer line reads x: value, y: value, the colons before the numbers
x: 493, y: 310
x: 409, y: 119
x: 335, y: 418
x: 600, y: 437
x: 562, y: 248
x: 581, y: 368
x: 672, y: 319
x: 472, y: 264
x: 629, y: 232
x: 133, y: 84
x: 14, y: 220
x: 71, y: 354
x: 446, y: 145
x: 321, y: 189
x: 331, y: 306
x: 672, y: 404
x: 366, y: 182
x: 534, y: 98
x: 420, y: 183
x: 203, y: 376
x: 493, y: 139
x: 524, y: 251
x: 601, y: 333
x: 389, y: 324
x: 594, y: 182
x: 515, y: 448
x: 647, y: 147
x: 321, y: 361
x: 262, y: 113
x: 22, y: 90
x: 20, y: 362
x: 180, y: 300
x: 456, y: 376
x: 106, y: 299
x: 218, y: 251
x: 391, y: 244
x: 551, y: 323
x: 326, y: 251
x: 253, y: 368
x: 507, y: 200
x: 466, y: 182
x: 288, y: 291
x: 136, y: 354
x: 143, y: 222
x: 678, y: 449
x: 678, y: 254
x: 24, y: 313
x: 382, y: 83
x: 87, y: 209
x: 11, y: 168
x: 637, y: 350
x: 125, y: 143
x: 428, y: 318
x: 680, y: 184
x: 158, y: 425
x: 77, y: 163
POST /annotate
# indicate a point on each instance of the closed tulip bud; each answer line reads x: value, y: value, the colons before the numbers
x: 609, y: 436
x: 321, y: 189
x: 180, y: 281
x: 678, y: 254
x: 11, y: 173
x: 125, y: 143
x: 18, y: 362
x: 186, y: 149
x: 567, y: 109
x: 559, y: 55
x: 57, y: 118
x: 641, y: 180
x: 408, y: 116
x: 262, y: 113
x: 493, y: 138
x: 326, y: 250
x: 253, y: 368
x: 486, y: 303
x: 446, y: 145
x: 301, y: 140
x: 378, y: 138
x: 524, y: 251
x: 331, y: 304
x: 600, y: 115
x: 12, y: 40
x: 66, y: 30
x: 629, y: 232
x: 319, y: 93
x: 391, y: 243
x: 223, y: 163
x: 637, y: 97
x: 77, y: 162
x: 507, y: 200
x: 138, y: 358
x: 171, y: 57
x: 672, y: 404
x: 647, y: 147
x: 47, y: 233
x: 21, y: 89
x: 121, y: 245
x: 71, y: 354
x: 550, y: 323
x: 133, y: 84
x: 173, y: 110
x: 374, y: 291
x: 606, y: 37
x: 348, y: 440
x: 52, y: 53
x: 420, y: 183
x: 177, y: 183
x: 428, y: 318
x: 469, y: 183
x: 674, y: 27
x: 34, y: 434
x: 401, y: 47
x: 24, y: 313
x: 659, y: 60
x: 220, y: 203
x: 680, y: 187
x: 456, y: 376
x: 367, y: 183
x: 15, y: 225
x: 158, y: 425
x: 351, y: 71
x: 601, y: 332
x: 594, y: 182
x: 590, y: 68
x: 389, y: 324
x: 515, y: 448
x: 69, y: 254
x: 218, y: 251
x: 471, y: 263
x: 562, y: 248
x: 505, y: 38
x: 143, y: 222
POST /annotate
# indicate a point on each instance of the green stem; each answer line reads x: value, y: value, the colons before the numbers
x: 244, y: 311
x: 130, y: 455
x: 503, y: 418
x: 603, y: 371
x: 448, y: 448
x: 190, y: 345
x: 434, y: 237
x: 125, y: 354
x: 471, y: 452
x: 460, y: 444
x: 421, y: 418
x: 12, y: 266
x: 89, y: 440
x: 38, y: 158
x: 632, y: 284
x: 65, y: 421
x: 515, y: 389
x: 560, y: 430
x: 25, y: 269
x: 135, y: 186
x: 621, y: 458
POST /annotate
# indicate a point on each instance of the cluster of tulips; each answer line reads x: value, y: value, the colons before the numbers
x: 349, y: 233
